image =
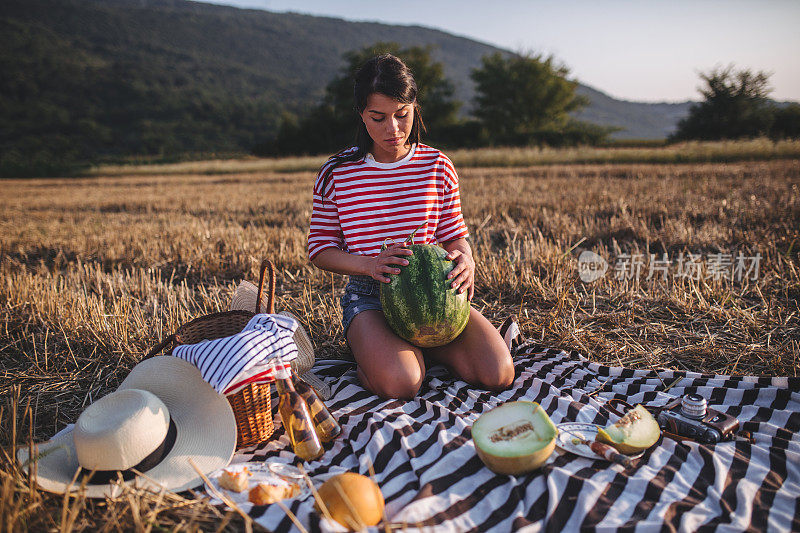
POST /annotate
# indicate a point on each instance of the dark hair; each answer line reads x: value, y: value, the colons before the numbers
x: 387, y: 75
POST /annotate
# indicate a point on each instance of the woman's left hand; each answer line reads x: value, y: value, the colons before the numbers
x: 463, y: 273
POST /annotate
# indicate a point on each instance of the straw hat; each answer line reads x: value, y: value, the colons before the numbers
x: 162, y: 415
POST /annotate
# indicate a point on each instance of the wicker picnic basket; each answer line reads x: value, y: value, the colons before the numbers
x: 251, y: 405
x: 245, y: 298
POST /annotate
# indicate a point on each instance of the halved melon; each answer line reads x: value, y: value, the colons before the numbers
x: 514, y: 438
x: 633, y: 433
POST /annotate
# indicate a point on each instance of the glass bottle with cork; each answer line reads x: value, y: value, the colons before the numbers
x: 295, y: 415
x: 325, y: 425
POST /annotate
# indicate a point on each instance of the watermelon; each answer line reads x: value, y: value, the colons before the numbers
x: 419, y: 303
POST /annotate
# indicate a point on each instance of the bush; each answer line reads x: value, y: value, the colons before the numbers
x: 786, y: 123
x: 14, y: 164
x: 735, y: 106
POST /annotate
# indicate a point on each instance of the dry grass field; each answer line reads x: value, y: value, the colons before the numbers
x: 94, y: 271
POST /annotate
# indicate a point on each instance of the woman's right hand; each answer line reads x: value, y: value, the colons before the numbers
x: 384, y: 263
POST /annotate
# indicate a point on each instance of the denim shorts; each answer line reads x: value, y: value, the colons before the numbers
x: 362, y: 293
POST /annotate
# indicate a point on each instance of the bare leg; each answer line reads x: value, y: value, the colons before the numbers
x: 387, y: 365
x: 478, y: 355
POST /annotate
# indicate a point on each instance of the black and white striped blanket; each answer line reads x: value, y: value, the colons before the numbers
x: 432, y: 479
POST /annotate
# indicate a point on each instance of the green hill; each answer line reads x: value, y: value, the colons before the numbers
x: 88, y: 79
x: 638, y: 120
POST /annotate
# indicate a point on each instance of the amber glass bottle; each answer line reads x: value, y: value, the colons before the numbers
x: 326, y: 426
x: 296, y: 417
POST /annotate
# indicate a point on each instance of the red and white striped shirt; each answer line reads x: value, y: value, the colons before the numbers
x: 366, y: 203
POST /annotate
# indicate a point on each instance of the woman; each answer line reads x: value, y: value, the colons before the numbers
x: 379, y: 191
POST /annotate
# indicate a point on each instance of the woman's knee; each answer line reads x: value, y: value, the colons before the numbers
x: 387, y: 365
x: 400, y: 382
x: 494, y: 374
x: 400, y: 388
x: 499, y: 376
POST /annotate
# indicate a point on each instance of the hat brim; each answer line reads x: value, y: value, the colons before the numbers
x: 206, y: 433
x: 305, y: 348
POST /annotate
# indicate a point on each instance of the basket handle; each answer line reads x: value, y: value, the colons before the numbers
x: 266, y: 264
x: 163, y: 344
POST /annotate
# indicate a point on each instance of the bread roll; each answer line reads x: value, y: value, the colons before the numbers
x: 267, y: 493
x: 235, y: 480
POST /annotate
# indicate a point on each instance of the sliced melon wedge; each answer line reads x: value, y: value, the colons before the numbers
x: 633, y: 433
x: 514, y: 438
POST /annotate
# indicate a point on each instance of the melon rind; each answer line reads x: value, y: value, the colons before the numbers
x: 633, y: 433
x: 516, y: 456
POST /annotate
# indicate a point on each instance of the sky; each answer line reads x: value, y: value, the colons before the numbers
x: 640, y: 50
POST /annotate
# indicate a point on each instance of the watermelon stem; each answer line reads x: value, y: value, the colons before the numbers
x: 411, y: 237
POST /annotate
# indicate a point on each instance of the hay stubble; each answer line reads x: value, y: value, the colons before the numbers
x: 94, y: 271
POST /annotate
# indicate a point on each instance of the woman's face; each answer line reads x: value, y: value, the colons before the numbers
x: 389, y: 124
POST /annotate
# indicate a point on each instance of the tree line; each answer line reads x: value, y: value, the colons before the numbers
x: 521, y: 100
x: 525, y: 100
